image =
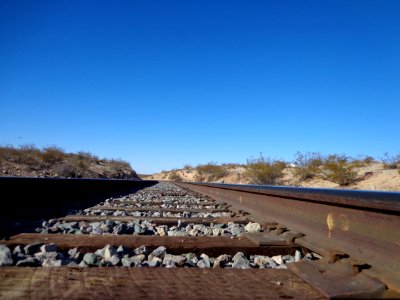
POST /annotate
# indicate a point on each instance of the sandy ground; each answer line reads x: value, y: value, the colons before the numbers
x: 371, y: 177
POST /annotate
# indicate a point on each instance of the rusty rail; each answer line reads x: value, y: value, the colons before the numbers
x: 359, y: 228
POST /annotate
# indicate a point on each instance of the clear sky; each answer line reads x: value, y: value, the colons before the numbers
x: 165, y: 83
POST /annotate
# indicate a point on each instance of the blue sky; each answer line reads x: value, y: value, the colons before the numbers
x: 165, y: 83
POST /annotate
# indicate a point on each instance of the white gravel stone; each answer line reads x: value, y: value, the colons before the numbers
x: 221, y: 260
x: 174, y: 260
x: 297, y: 256
x: 240, y: 261
x: 91, y: 259
x: 252, y: 227
x: 264, y: 261
x: 109, y: 251
x: 158, y: 252
x: 49, y: 262
x: 138, y: 259
x: 218, y: 231
x: 126, y: 262
x: 277, y: 259
x: 204, y: 262
x: 5, y: 256
x: 114, y: 260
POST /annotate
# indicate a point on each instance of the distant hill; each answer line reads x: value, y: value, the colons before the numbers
x: 52, y: 161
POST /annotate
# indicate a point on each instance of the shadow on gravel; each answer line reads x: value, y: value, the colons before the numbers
x: 25, y: 202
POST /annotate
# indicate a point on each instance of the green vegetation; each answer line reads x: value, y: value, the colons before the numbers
x: 264, y: 171
x: 338, y: 169
x: 210, y: 172
x: 362, y: 161
x: 307, y: 166
x: 335, y: 168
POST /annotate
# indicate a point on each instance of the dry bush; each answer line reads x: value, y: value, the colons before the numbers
x: 87, y: 156
x: 118, y: 164
x: 232, y: 165
x: 391, y: 161
x: 67, y: 170
x: 187, y: 167
x: 54, y: 159
x: 337, y: 169
x: 264, y: 171
x: 307, y: 165
x: 7, y: 153
x: 367, y: 159
x: 79, y: 162
x: 210, y: 172
x: 357, y: 163
x: 361, y: 161
x: 53, y: 154
x: 174, y: 176
x: 199, y: 178
x: 27, y: 154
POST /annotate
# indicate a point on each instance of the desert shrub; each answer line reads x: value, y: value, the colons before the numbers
x: 7, y: 152
x: 357, y: 163
x: 391, y: 161
x: 27, y: 154
x: 264, y: 171
x: 232, y: 165
x: 187, y: 167
x: 210, y: 172
x: 368, y: 159
x: 67, y: 169
x: 307, y: 165
x: 87, y: 156
x: 174, y: 176
x: 337, y: 169
x: 64, y: 164
x: 53, y: 154
x: 119, y: 164
x: 199, y: 177
x: 82, y: 164
x: 361, y: 161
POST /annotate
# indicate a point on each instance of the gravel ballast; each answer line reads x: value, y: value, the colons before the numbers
x: 47, y: 255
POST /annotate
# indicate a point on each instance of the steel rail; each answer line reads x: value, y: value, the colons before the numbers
x: 361, y: 226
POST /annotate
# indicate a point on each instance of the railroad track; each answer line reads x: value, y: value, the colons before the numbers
x: 215, y: 241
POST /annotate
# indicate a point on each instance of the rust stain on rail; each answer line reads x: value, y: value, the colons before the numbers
x: 368, y: 234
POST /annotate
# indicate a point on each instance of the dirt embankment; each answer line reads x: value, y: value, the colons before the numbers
x: 54, y: 162
x: 374, y: 176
